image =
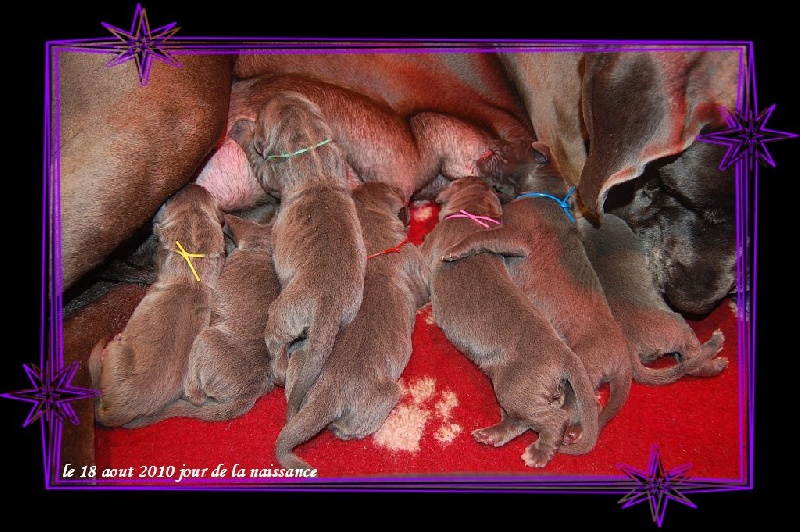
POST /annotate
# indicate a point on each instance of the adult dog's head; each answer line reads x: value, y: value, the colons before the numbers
x: 643, y: 113
x: 682, y: 208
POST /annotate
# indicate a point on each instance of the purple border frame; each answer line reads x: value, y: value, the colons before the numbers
x: 51, y: 339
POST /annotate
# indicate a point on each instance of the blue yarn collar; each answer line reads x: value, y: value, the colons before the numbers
x: 561, y: 202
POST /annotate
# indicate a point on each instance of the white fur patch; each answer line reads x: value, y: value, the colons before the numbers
x: 422, y: 212
x: 422, y: 390
x: 733, y: 306
x: 427, y: 314
x: 405, y: 426
x: 447, y: 433
x: 402, y: 430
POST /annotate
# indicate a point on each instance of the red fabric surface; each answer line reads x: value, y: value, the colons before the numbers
x: 697, y: 421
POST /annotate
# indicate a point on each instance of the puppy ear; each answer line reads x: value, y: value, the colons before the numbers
x: 233, y: 227
x: 243, y: 131
x: 405, y: 216
x: 158, y: 218
x: 444, y: 195
x: 541, y: 153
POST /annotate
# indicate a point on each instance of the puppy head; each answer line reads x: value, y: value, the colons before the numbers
x: 192, y: 214
x: 472, y: 194
x: 382, y: 196
x: 518, y: 165
x: 506, y: 163
x: 247, y: 234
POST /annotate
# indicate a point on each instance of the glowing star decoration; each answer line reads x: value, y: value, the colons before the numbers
x: 747, y: 135
x: 142, y: 45
x: 656, y: 485
x: 51, y: 393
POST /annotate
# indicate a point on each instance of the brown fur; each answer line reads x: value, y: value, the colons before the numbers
x: 651, y: 326
x: 142, y: 370
x: 358, y: 387
x: 318, y: 247
x: 469, y: 86
x: 552, y: 267
x: 482, y: 312
x: 124, y: 149
x: 82, y: 331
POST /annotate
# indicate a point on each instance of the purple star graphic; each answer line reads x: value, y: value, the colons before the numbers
x: 142, y: 45
x: 656, y: 485
x: 748, y: 135
x: 51, y: 393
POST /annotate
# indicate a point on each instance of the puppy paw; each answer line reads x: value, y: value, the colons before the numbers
x: 711, y: 368
x: 714, y: 344
x: 488, y: 436
x: 195, y: 395
x: 572, y: 435
x: 535, y: 457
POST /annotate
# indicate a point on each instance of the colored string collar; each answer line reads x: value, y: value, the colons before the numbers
x: 187, y: 256
x: 390, y: 250
x: 562, y: 202
x: 480, y: 220
x: 298, y: 152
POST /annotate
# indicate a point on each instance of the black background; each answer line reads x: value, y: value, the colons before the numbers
x: 775, y: 450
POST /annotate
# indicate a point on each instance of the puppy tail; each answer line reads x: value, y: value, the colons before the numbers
x: 705, y: 363
x: 309, y: 421
x: 319, y: 346
x: 587, y: 406
x: 619, y: 388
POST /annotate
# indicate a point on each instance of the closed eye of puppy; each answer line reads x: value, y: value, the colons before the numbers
x: 142, y: 370
x: 358, y: 387
x: 485, y: 316
x: 652, y: 327
x: 318, y: 249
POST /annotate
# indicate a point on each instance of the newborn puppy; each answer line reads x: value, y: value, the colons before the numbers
x: 317, y: 245
x: 547, y: 261
x: 229, y: 363
x: 539, y: 382
x: 650, y: 325
x: 358, y: 385
x: 452, y: 148
x: 142, y: 369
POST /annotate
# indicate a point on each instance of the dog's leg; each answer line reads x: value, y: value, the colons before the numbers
x: 314, y: 416
x: 501, y: 433
x: 499, y: 241
x: 550, y: 430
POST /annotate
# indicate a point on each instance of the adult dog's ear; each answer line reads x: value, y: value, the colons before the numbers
x: 642, y: 106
